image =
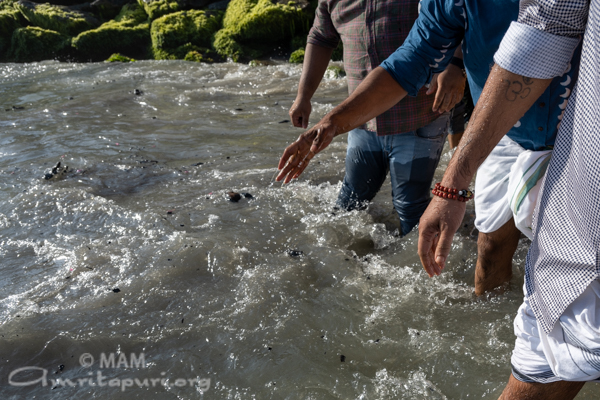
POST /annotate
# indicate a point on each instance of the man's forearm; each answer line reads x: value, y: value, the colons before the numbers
x: 316, y: 60
x: 376, y: 94
x: 504, y: 100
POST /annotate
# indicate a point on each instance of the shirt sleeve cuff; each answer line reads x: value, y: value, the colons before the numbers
x: 322, y: 41
x: 527, y: 51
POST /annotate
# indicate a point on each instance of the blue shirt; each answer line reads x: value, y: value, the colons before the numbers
x: 480, y: 25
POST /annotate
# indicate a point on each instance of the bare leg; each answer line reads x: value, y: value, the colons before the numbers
x: 454, y: 139
x: 494, y: 260
x: 561, y: 390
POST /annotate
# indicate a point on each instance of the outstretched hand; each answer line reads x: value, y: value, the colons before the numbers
x: 297, y: 155
x: 437, y: 227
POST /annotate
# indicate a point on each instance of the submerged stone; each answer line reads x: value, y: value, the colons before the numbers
x: 116, y: 57
x: 234, y: 197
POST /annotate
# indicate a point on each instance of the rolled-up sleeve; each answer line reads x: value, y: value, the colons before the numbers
x: 429, y: 46
x: 323, y: 32
x: 541, y: 43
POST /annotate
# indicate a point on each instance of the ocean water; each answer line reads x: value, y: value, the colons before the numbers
x: 132, y: 276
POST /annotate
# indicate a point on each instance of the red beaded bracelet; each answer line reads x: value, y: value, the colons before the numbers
x: 452, y: 194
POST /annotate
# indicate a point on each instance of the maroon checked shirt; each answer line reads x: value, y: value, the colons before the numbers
x: 370, y: 31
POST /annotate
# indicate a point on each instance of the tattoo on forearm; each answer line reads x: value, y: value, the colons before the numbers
x: 517, y: 89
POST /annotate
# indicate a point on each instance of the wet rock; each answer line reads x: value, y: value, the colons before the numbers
x: 234, y: 197
x: 197, y: 164
x: 285, y: 121
x: 294, y: 253
x: 116, y: 290
x: 57, y: 172
x: 137, y: 92
x: 247, y: 195
x: 342, y: 358
x: 238, y: 109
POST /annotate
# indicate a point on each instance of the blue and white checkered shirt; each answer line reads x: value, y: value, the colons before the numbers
x: 563, y: 258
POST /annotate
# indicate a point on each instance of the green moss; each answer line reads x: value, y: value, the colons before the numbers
x: 10, y: 20
x: 298, y: 42
x: 335, y: 72
x: 193, y: 28
x: 297, y: 57
x: 338, y: 53
x: 37, y: 44
x: 132, y: 15
x: 58, y: 19
x: 196, y: 56
x: 158, y: 8
x: 119, y: 58
x: 127, y: 34
x: 97, y: 44
x: 252, y: 28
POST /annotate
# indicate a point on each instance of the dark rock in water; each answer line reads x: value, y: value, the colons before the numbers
x: 197, y: 164
x: 247, y: 195
x: 235, y: 197
x: 342, y: 358
x: 239, y: 109
x: 57, y: 172
x: 294, y: 253
x: 116, y: 290
x: 18, y: 108
x: 138, y: 92
x: 285, y: 121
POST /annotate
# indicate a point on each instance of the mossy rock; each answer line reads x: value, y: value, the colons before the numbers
x: 57, y: 18
x: 297, y: 57
x: 196, y: 56
x: 119, y: 58
x: 10, y: 20
x: 185, y: 28
x: 259, y: 25
x: 156, y: 9
x: 132, y: 15
x: 334, y: 72
x: 37, y: 44
x: 127, y: 34
x: 113, y: 37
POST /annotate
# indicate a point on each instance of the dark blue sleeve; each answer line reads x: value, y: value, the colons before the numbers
x: 430, y: 45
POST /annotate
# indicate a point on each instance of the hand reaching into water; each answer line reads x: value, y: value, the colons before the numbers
x: 437, y: 227
x: 300, y: 112
x: 297, y: 155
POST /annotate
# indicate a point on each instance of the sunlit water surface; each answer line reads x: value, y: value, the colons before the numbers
x: 138, y: 250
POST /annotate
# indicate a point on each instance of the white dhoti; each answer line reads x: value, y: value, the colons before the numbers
x: 570, y: 352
